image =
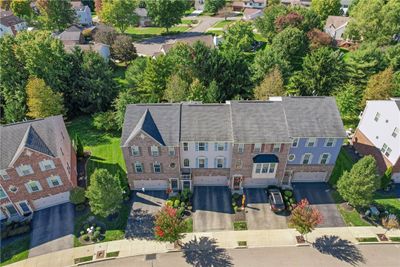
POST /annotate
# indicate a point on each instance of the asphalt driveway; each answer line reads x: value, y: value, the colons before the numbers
x: 318, y: 194
x: 52, y: 229
x: 258, y: 212
x: 141, y: 218
x: 212, y: 207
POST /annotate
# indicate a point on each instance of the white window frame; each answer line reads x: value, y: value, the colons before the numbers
x: 295, y: 141
x: 276, y: 148
x: 136, y: 165
x: 291, y: 155
x: 377, y: 116
x: 204, y: 160
x: 312, y: 140
x: 28, y: 186
x: 188, y: 163
x: 177, y: 184
x: 220, y: 147
x: 24, y: 170
x: 309, y: 159
x: 4, y: 192
x: 4, y: 175
x: 158, y: 164
x: 217, y: 164
x: 395, y: 132
x: 46, y: 165
x: 20, y: 208
x: 239, y: 164
x: 257, y: 148
x: 8, y: 212
x: 135, y: 151
x: 327, y: 159
x: 201, y: 146
x: 171, y: 151
x: 185, y: 146
x: 155, y: 151
x: 331, y: 141
x: 54, y: 178
x: 240, y: 148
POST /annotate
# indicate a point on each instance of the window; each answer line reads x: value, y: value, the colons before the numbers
x: 68, y: 168
x: 154, y: 151
x: 172, y: 165
x: 295, y: 142
x: 202, y: 162
x: 135, y: 151
x: 24, y: 170
x: 54, y: 181
x: 33, y: 186
x: 185, y: 147
x: 13, y: 189
x: 62, y: 152
x: 174, y: 184
x: 257, y: 148
x: 306, y: 158
x: 276, y: 148
x: 219, y: 162
x: 377, y: 116
x: 265, y: 168
x: 62, y: 135
x: 138, y: 167
x: 291, y: 157
x: 324, y: 159
x: 2, y: 193
x: 46, y: 165
x: 4, y: 175
x: 238, y: 164
x: 11, y: 210
x: 171, y: 151
x: 157, y: 167
x: 272, y: 167
x: 186, y: 163
x: 201, y: 147
x: 386, y: 150
x: 395, y: 132
x: 24, y: 208
x: 240, y: 148
x: 311, y: 142
x: 219, y: 146
x: 330, y: 142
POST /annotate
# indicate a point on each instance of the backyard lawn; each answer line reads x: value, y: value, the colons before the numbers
x: 139, y: 33
x: 343, y: 163
x: 16, y: 251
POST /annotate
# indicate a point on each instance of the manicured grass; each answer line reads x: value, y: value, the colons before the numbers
x: 15, y: 251
x: 395, y: 239
x: 83, y: 259
x: 239, y: 226
x: 343, y: 163
x: 367, y: 239
x: 112, y: 254
x: 189, y: 225
x: 223, y: 23
x: 390, y: 203
x: 350, y: 217
x: 138, y: 33
x: 189, y: 21
x: 215, y: 32
x: 105, y: 147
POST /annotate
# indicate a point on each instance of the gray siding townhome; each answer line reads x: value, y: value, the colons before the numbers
x: 236, y: 144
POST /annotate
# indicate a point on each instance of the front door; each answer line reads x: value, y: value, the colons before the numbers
x: 186, y: 184
x: 237, y: 182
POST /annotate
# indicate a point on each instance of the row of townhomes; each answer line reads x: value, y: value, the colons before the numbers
x: 37, y: 167
x: 236, y: 144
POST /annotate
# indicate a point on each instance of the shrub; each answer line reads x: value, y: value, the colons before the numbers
x: 235, y: 196
x: 87, y: 33
x: 81, y: 233
x: 169, y: 203
x: 98, y: 228
x: 288, y: 193
x: 186, y: 195
x: 235, y: 208
x: 177, y: 203
x: 386, y: 178
x: 86, y: 226
x: 86, y: 237
x: 80, y: 207
x: 77, y: 195
x: 96, y: 234
x: 105, y: 121
x: 180, y: 212
x: 183, y: 204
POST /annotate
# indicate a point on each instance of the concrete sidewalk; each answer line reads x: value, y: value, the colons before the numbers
x: 224, y: 239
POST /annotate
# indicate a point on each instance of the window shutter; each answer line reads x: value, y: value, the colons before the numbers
x: 28, y: 188
x: 206, y: 163
x: 215, y: 146
x: 226, y: 146
x: 215, y: 163
x: 252, y: 148
x: 41, y: 165
x: 152, y: 167
x: 225, y: 163
x: 19, y: 171
x: 49, y: 182
x: 39, y: 185
x: 140, y: 151
x: 206, y: 146
x: 142, y: 165
x: 59, y: 180
x: 197, y: 146
x: 149, y: 149
x: 197, y: 162
x: 161, y: 167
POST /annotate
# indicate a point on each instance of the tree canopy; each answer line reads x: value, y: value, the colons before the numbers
x: 55, y: 14
x: 21, y: 8
x: 325, y: 8
x: 119, y: 13
x: 166, y: 13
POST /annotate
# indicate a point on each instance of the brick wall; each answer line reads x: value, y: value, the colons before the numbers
x: 210, y: 172
x: 144, y: 142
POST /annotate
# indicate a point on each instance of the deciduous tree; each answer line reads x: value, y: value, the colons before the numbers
x: 212, y: 6
x: 292, y: 19
x: 42, y: 101
x: 77, y: 195
x: 380, y: 86
x: 55, y: 14
x: 123, y: 49
x: 105, y: 35
x: 21, y: 8
x: 348, y: 99
x: 169, y: 226
x: 305, y: 218
x: 358, y: 186
x: 119, y: 13
x: 266, y: 23
x: 272, y: 85
x: 177, y: 89
x: 390, y: 222
x: 104, y: 193
x: 166, y: 13
x: 197, y: 91
x: 325, y: 8
x: 239, y: 36
x: 318, y: 39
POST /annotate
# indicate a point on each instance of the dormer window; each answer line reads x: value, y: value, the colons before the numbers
x: 24, y: 170
x: 46, y: 165
x: 4, y: 175
x: 154, y: 151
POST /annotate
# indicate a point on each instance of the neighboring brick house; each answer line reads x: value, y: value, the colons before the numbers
x: 378, y: 134
x: 37, y: 166
x: 10, y: 24
x: 236, y: 144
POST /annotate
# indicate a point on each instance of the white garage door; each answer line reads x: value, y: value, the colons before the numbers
x: 309, y: 177
x: 210, y: 181
x: 50, y: 201
x: 150, y: 184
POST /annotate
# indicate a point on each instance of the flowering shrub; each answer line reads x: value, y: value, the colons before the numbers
x: 168, y: 225
x: 304, y: 217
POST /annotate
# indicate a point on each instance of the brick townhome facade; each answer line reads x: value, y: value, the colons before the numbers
x: 38, y: 166
x: 236, y: 144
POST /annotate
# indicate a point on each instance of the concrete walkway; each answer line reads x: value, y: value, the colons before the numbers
x: 224, y: 239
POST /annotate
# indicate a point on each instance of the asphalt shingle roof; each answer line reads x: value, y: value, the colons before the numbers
x: 39, y: 135
x: 166, y: 118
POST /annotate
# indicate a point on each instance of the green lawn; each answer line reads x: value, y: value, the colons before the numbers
x: 343, y: 163
x: 223, y: 23
x: 215, y: 32
x: 391, y: 203
x: 14, y: 252
x: 189, y: 21
x: 105, y: 147
x: 139, y: 33
x: 351, y: 218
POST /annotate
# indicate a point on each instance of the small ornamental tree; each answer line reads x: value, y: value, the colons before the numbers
x: 305, y: 218
x: 79, y: 146
x: 104, y: 193
x: 123, y: 49
x: 77, y: 195
x: 169, y: 226
x: 390, y: 222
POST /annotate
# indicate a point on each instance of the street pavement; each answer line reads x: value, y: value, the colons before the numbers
x: 334, y: 256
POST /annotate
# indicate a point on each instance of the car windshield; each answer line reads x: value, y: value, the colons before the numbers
x: 277, y: 198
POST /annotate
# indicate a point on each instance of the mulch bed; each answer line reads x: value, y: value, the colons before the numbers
x: 300, y: 239
x: 382, y: 237
x: 239, y: 216
x: 346, y: 206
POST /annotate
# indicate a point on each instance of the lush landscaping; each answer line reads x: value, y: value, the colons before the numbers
x: 223, y: 23
x: 343, y: 163
x: 15, y: 251
x: 389, y: 203
x: 139, y: 33
x: 367, y: 239
x: 239, y: 226
x: 189, y: 225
